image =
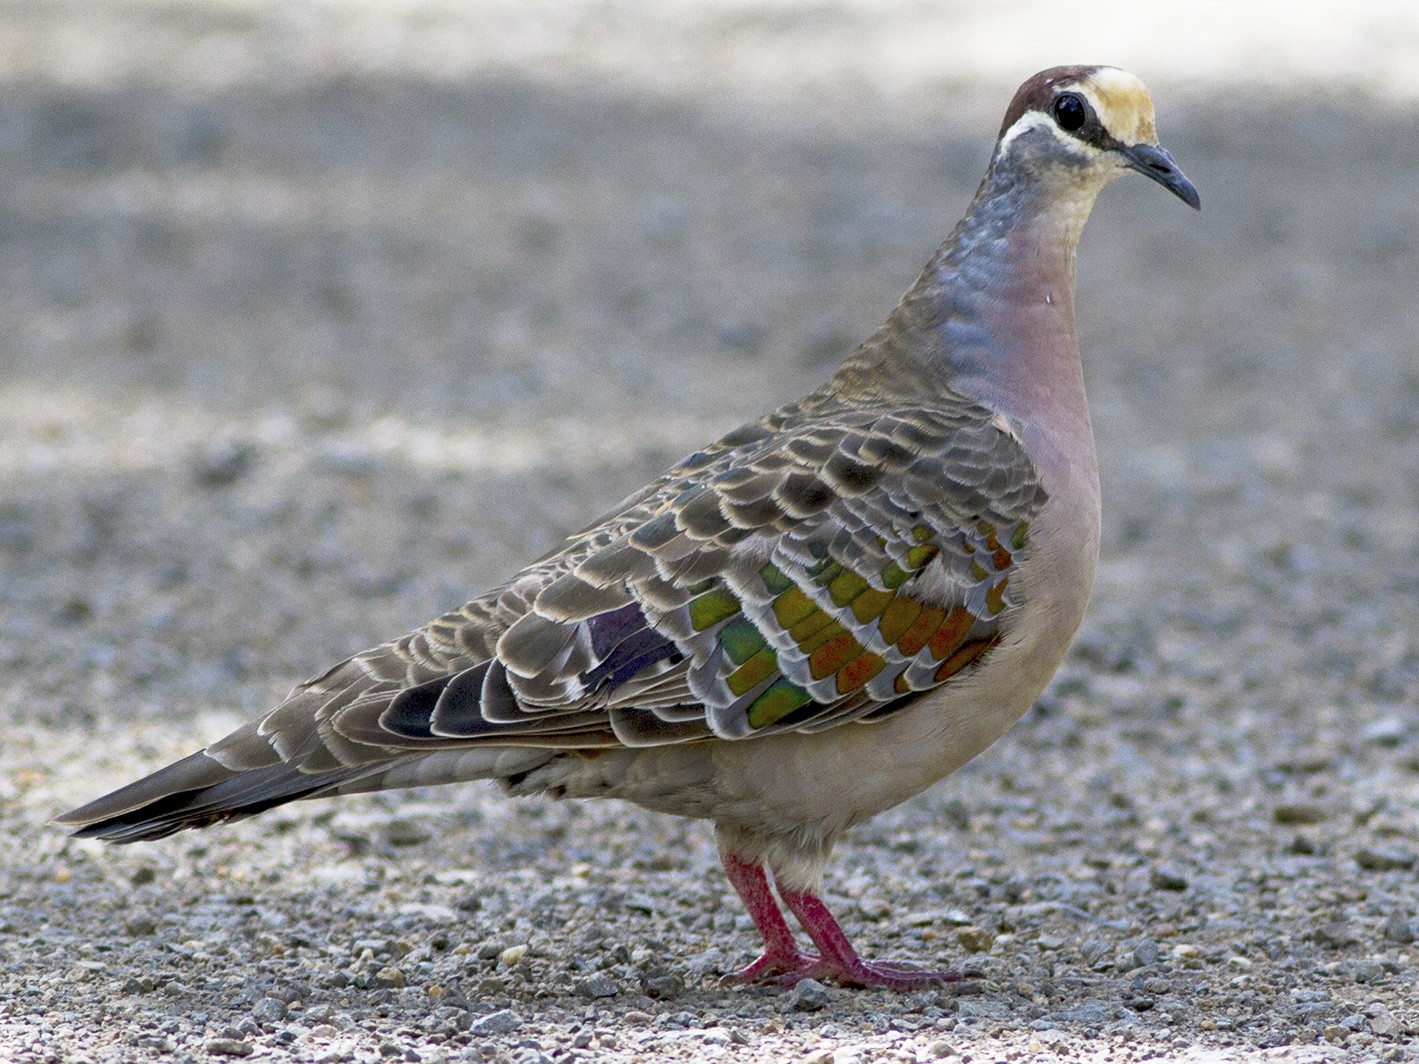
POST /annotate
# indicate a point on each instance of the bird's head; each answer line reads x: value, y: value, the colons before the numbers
x: 1089, y: 124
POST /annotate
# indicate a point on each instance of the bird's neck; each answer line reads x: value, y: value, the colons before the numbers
x: 992, y: 315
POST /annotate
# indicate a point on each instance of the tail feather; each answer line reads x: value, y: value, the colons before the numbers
x: 193, y: 793
x: 199, y: 791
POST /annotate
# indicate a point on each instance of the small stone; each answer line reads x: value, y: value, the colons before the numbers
x: 809, y: 995
x: 141, y: 926
x: 389, y: 977
x: 1387, y: 731
x: 1384, y: 858
x: 1167, y: 877
x: 598, y: 986
x: 975, y: 939
x: 223, y: 464
x: 229, y: 1047
x: 661, y: 983
x: 510, y: 956
x: 1145, y: 953
x: 504, y: 1021
x: 269, y: 1010
x: 1298, y: 813
x: 1337, y: 1034
x: 486, y: 951
x: 942, y: 1049
x: 819, y: 1056
x: 408, y: 831
x: 1398, y: 928
x: 1337, y: 935
x: 641, y: 903
x: 1094, y: 951
x: 716, y: 1036
x: 1382, y: 1021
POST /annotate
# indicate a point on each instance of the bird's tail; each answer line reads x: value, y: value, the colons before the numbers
x: 201, y: 789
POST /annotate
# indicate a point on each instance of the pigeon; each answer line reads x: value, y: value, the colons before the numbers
x: 809, y: 621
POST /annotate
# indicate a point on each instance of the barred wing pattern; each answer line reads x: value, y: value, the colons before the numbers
x: 809, y: 569
x: 819, y: 566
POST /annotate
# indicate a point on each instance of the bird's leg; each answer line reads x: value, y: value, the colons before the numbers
x: 781, y: 954
x: 839, y: 961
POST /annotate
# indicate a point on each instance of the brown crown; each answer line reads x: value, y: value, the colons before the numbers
x: 1035, y: 94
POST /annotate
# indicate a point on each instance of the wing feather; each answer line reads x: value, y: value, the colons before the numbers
x: 822, y: 566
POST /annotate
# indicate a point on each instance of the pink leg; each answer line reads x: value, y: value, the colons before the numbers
x: 781, y: 953
x: 840, y: 961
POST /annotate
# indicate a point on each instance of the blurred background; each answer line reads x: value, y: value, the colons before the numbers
x: 318, y: 317
x: 368, y: 301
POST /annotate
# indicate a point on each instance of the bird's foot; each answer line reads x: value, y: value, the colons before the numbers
x: 774, y: 966
x: 888, y: 975
x: 785, y: 964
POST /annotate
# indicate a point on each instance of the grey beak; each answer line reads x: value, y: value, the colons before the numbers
x: 1152, y: 161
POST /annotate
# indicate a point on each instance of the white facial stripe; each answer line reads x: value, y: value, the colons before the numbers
x: 1036, y: 120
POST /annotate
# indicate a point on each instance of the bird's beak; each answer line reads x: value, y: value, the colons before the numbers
x: 1153, y: 161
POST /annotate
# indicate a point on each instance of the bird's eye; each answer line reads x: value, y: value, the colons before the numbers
x: 1070, y: 111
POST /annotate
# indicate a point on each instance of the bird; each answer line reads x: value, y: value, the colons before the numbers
x: 796, y: 628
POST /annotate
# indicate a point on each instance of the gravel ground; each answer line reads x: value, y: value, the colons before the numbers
x: 319, y: 317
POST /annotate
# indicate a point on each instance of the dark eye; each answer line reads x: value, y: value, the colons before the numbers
x: 1070, y: 111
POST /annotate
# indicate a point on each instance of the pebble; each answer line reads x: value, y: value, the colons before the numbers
x: 1146, y: 953
x: 808, y: 995
x: 1298, y: 813
x: 1167, y: 877
x: 662, y: 983
x: 1387, y: 731
x: 269, y: 1010
x: 1399, y: 928
x: 408, y: 831
x: 504, y: 1021
x: 229, y: 1047
x: 389, y: 977
x: 975, y: 939
x: 598, y: 986
x: 1384, y: 858
x: 223, y: 464
x: 510, y: 956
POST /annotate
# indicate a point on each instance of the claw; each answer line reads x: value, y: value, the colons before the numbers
x: 784, y: 964
x: 884, y: 974
x: 774, y: 968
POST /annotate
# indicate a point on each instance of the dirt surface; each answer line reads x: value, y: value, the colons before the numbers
x: 318, y: 318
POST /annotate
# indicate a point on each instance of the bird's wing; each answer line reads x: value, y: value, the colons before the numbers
x: 823, y: 565
x: 813, y: 568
